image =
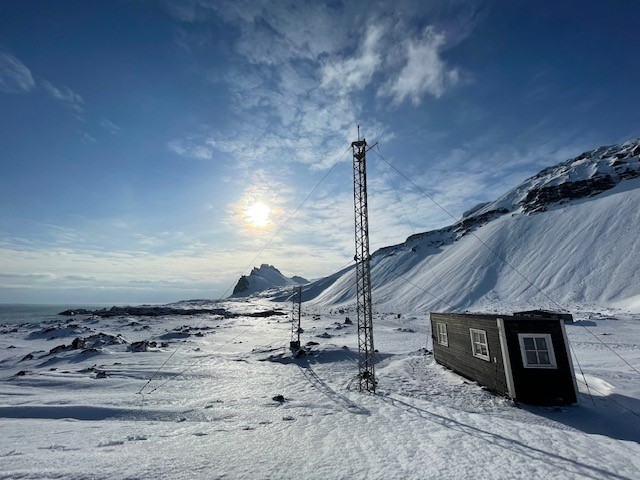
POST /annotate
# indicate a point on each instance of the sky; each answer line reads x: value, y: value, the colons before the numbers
x: 154, y: 151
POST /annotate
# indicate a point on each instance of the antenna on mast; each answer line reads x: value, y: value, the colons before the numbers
x: 366, y: 370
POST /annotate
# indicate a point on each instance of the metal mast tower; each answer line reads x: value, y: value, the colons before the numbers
x: 295, y: 320
x: 366, y: 370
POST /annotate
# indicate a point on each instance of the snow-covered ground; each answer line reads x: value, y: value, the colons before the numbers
x: 210, y: 411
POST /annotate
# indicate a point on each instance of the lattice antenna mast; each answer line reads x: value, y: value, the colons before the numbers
x: 295, y: 319
x: 366, y: 370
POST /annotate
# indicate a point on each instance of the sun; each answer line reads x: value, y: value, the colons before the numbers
x: 258, y: 214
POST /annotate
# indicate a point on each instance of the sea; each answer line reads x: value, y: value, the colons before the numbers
x: 16, y: 313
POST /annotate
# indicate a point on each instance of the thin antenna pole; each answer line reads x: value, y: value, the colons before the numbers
x: 295, y: 320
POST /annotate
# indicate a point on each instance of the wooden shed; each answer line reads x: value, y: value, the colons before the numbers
x: 525, y: 358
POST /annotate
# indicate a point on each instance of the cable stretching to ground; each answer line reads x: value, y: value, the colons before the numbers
x: 502, y: 258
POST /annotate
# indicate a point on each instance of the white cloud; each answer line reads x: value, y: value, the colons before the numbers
x: 355, y: 73
x: 65, y: 95
x: 110, y: 126
x: 15, y: 77
x: 199, y: 147
x: 424, y: 71
x: 86, y: 137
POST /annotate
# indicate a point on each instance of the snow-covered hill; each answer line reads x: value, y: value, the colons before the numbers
x: 567, y: 237
x: 264, y: 278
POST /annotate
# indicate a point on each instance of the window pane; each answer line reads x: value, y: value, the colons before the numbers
x: 528, y: 343
x: 544, y: 358
x: 532, y: 358
x: 541, y: 343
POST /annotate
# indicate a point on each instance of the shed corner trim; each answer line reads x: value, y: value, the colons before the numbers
x: 506, y: 360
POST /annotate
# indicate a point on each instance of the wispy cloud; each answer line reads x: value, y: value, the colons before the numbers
x: 87, y: 137
x: 298, y: 80
x: 15, y: 77
x: 110, y: 126
x: 424, y: 71
x: 193, y: 146
x: 355, y: 72
x: 65, y: 95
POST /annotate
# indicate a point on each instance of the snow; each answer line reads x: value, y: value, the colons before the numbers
x: 210, y: 412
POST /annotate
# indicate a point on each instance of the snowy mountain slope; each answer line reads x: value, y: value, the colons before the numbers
x: 572, y: 231
x: 264, y: 278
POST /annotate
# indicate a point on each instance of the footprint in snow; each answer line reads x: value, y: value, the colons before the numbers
x: 12, y: 453
x: 58, y: 448
x: 112, y: 443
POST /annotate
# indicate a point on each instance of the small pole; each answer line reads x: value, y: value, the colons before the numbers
x: 295, y: 320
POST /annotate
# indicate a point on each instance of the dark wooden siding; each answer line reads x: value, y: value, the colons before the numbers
x: 540, y: 385
x: 458, y: 356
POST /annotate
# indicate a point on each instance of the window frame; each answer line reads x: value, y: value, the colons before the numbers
x: 474, y: 351
x: 442, y: 334
x: 550, y: 351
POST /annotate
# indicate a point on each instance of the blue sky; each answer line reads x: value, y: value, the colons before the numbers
x: 136, y: 137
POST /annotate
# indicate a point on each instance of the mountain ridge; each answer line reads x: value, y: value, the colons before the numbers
x: 563, y: 238
x: 262, y: 278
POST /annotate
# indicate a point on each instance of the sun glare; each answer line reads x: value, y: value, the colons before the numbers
x: 258, y: 214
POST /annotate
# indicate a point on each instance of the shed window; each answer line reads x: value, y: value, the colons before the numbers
x: 537, y: 350
x: 443, y: 339
x: 479, y: 345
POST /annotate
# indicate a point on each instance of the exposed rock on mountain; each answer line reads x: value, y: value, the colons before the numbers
x: 264, y: 278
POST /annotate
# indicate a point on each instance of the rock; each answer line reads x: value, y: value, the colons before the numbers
x: 101, y: 375
x: 278, y: 398
x: 59, y: 348
x: 347, y: 321
x: 22, y: 373
x: 78, y: 343
x: 141, y: 346
x: 28, y: 356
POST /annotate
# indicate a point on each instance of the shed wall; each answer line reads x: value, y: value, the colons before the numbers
x: 541, y: 386
x: 458, y: 356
